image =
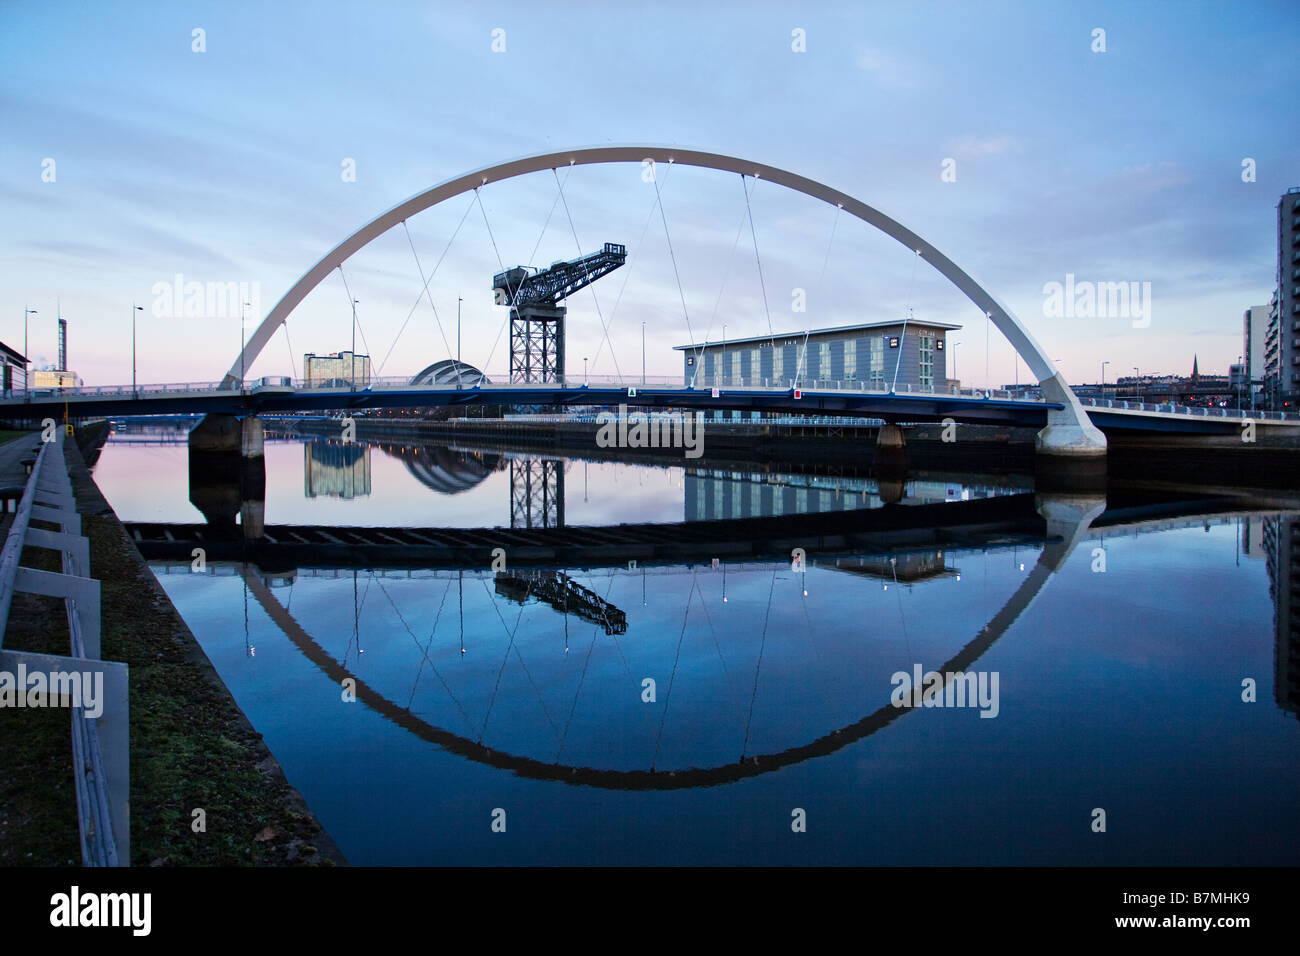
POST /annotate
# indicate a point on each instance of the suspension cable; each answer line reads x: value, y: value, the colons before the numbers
x: 902, y: 339
x: 604, y: 327
x: 423, y: 293
x: 355, y: 318
x: 726, y: 274
x: 761, y: 284
x: 293, y: 367
x: 673, y: 256
x: 513, y: 310
x: 627, y: 273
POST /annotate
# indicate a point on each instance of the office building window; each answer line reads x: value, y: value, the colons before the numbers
x: 850, y: 359
x: 925, y: 362
x: 876, y: 361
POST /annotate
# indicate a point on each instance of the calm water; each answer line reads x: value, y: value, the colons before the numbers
x: 1118, y: 689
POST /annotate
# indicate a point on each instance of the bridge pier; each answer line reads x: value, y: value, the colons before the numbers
x: 1070, y: 452
x: 228, y: 472
x: 889, y: 464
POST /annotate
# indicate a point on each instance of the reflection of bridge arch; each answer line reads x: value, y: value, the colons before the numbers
x: 1069, y: 431
x: 1070, y: 527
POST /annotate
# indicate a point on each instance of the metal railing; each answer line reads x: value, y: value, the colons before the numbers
x: 501, y: 381
x: 631, y: 382
x: 1195, y: 411
x: 100, y: 744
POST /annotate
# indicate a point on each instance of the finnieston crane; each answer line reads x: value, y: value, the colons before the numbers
x: 536, y: 312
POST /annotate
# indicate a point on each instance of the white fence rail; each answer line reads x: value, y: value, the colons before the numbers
x: 100, y: 743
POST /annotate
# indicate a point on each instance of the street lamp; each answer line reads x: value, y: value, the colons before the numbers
x: 352, y: 375
x: 134, y: 309
x: 1137, y: 375
x: 1103, y: 378
x: 26, y: 312
x: 643, y: 353
x: 724, y: 354
x: 243, y: 321
x: 585, y: 381
x: 955, y: 347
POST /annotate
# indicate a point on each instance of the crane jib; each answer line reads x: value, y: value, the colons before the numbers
x: 519, y: 287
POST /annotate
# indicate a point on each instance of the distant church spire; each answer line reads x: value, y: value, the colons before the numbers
x: 1195, y: 374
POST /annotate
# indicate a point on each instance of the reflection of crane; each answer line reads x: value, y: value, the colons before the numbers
x: 536, y: 312
x: 564, y: 594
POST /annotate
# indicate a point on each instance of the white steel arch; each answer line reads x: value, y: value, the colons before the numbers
x: 1069, y: 431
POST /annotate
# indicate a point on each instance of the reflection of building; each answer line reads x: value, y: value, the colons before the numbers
x: 873, y: 355
x: 1282, y: 548
x: 905, y: 568
x: 339, y: 368
x: 713, y: 494
x: 335, y: 469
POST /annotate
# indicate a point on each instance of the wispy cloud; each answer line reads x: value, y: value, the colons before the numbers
x: 890, y: 71
x: 972, y: 146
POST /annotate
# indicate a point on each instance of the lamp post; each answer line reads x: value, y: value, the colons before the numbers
x: 585, y: 380
x: 723, y: 377
x: 1137, y: 375
x: 458, y: 302
x: 134, y: 309
x: 243, y: 322
x: 27, y: 312
x: 955, y: 347
x: 1103, y: 378
x: 352, y: 374
x: 643, y: 353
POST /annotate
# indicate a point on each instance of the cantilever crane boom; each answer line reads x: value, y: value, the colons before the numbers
x: 518, y: 287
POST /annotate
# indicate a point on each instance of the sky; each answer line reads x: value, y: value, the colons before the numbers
x: 149, y: 146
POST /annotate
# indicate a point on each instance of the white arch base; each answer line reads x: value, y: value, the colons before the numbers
x: 1069, y: 434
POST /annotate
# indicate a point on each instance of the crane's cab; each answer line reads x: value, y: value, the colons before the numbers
x: 506, y: 284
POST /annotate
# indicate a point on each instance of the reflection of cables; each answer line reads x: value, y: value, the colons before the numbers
x: 541, y: 700
x: 398, y: 612
x: 907, y: 641
x: 761, y: 647
x: 672, y: 677
x: 725, y: 674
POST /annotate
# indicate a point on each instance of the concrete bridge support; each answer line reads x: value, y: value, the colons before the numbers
x: 1070, y: 453
x: 889, y: 464
x: 228, y: 473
